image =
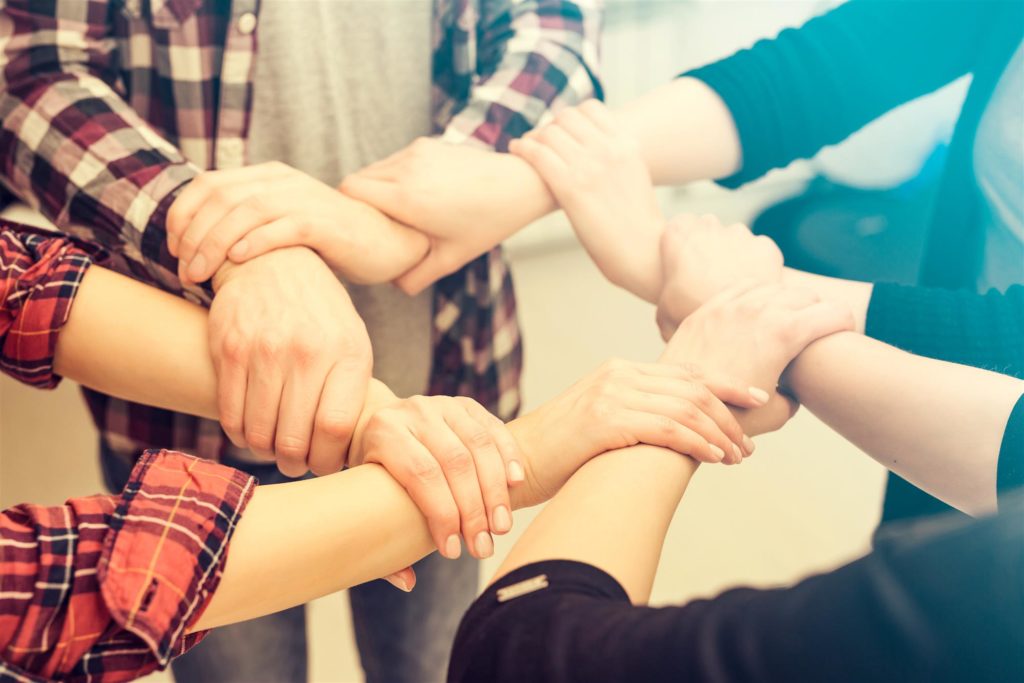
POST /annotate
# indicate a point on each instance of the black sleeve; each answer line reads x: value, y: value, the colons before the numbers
x: 942, y: 601
x: 1010, y: 477
x: 814, y: 86
x: 960, y: 326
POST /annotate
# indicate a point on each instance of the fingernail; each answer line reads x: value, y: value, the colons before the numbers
x: 737, y: 452
x: 197, y: 268
x: 399, y: 583
x: 502, y: 519
x: 484, y: 545
x: 749, y: 444
x: 452, y: 547
x: 516, y: 473
x: 760, y: 395
x: 238, y: 251
x: 716, y: 452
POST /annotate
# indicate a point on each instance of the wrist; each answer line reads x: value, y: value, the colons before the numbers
x: 527, y: 432
x: 292, y: 257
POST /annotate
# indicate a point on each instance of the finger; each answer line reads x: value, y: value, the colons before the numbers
x: 380, y: 194
x: 294, y: 433
x: 337, y: 411
x: 555, y: 138
x: 404, y: 580
x: 599, y: 114
x: 579, y: 127
x: 416, y: 469
x: 456, y: 460
x: 212, y: 212
x: 477, y: 435
x: 822, y: 319
x: 212, y: 250
x: 688, y: 414
x: 507, y: 445
x: 702, y: 397
x: 261, y: 239
x: 262, y: 404
x: 232, y: 378
x: 549, y: 166
x: 659, y: 430
x: 432, y: 268
x: 734, y: 391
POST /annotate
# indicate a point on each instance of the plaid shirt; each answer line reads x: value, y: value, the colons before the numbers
x: 109, y: 107
x: 100, y: 588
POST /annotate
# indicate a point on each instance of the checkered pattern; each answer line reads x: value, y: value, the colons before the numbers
x: 39, y: 276
x: 104, y: 588
x: 109, y: 106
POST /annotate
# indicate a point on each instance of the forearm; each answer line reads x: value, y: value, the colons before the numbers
x: 613, y: 513
x: 936, y: 424
x: 685, y: 132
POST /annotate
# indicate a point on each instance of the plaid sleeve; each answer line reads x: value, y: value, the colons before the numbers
x: 104, y: 588
x: 71, y: 146
x: 39, y: 277
x: 534, y: 56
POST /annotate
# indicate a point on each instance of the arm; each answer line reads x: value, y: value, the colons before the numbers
x: 114, y: 184
x: 898, y: 408
x: 533, y: 57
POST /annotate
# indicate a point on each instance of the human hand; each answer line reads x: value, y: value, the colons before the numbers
x: 456, y: 461
x: 239, y: 214
x: 601, y: 182
x: 292, y: 359
x: 623, y: 404
x: 465, y: 200
x: 753, y: 332
x: 701, y: 257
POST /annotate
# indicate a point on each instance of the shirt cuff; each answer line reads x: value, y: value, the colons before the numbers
x: 167, y: 546
x: 43, y: 272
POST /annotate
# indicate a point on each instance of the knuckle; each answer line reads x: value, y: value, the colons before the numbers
x: 290, y: 446
x: 425, y: 470
x: 259, y: 438
x: 458, y: 461
x: 234, y: 348
x: 480, y: 439
x: 336, y: 424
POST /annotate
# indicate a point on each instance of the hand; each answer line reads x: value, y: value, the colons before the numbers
x: 623, y: 404
x: 601, y: 182
x: 753, y: 332
x: 292, y: 359
x: 244, y: 213
x: 701, y: 257
x: 466, y: 200
x: 456, y: 461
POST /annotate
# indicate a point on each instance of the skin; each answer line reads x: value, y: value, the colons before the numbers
x: 138, y: 343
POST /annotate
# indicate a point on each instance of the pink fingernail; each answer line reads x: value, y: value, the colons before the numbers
x: 452, y: 547
x: 484, y: 545
x: 759, y: 395
x: 737, y: 452
x: 502, y: 519
x: 516, y: 474
x: 716, y: 452
x: 749, y: 444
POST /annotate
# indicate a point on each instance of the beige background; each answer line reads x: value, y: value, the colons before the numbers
x: 805, y: 502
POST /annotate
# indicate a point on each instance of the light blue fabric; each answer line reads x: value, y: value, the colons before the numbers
x: 999, y: 169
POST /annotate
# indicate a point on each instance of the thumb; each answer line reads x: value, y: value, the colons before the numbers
x: 435, y: 265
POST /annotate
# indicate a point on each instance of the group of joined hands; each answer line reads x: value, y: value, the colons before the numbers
x: 294, y: 362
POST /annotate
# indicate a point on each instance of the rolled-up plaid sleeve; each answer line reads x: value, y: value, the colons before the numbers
x: 72, y: 147
x: 39, y: 277
x: 106, y: 588
x: 534, y: 56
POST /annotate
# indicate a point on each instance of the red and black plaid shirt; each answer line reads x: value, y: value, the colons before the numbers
x: 101, y: 588
x: 110, y: 106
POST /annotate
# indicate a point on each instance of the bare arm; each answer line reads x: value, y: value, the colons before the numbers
x: 142, y: 344
x: 938, y: 425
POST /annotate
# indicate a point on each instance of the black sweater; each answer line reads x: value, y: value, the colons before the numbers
x: 814, y: 86
x: 937, y: 600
